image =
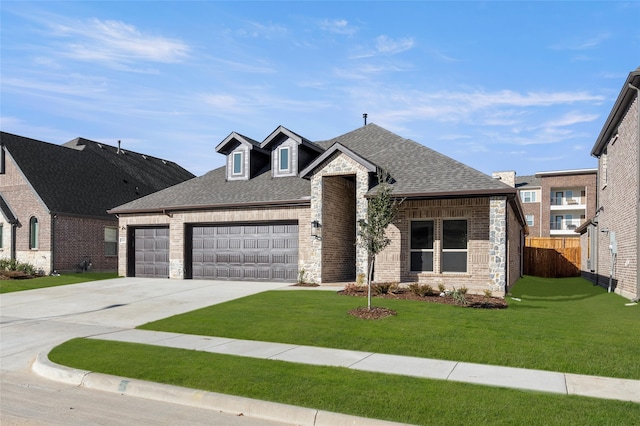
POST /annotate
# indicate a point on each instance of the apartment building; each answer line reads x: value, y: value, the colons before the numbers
x: 556, y: 203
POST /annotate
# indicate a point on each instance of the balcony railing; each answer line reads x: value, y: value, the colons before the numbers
x: 565, y: 225
x: 567, y: 201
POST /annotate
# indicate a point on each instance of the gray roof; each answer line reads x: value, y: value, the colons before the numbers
x: 417, y: 171
x: 526, y: 182
x: 87, y: 178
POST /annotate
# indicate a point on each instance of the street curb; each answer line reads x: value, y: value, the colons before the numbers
x: 231, y: 404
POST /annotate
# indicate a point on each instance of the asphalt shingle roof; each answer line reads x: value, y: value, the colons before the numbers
x: 529, y: 181
x: 87, y: 178
x: 416, y: 170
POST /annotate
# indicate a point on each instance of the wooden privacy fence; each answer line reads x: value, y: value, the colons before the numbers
x: 552, y: 257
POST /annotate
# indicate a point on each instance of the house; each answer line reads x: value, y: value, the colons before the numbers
x: 556, y: 203
x: 288, y: 206
x: 54, y: 199
x: 610, y: 238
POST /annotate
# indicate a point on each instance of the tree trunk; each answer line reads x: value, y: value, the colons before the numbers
x: 371, y: 260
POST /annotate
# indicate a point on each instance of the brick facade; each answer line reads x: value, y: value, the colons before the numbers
x: 564, y: 180
x: 25, y: 205
x: 618, y: 198
x: 177, y: 222
x: 486, y: 268
x: 77, y: 239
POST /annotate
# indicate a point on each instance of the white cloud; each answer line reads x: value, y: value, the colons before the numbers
x: 337, y: 26
x: 583, y: 44
x: 388, y: 46
x: 117, y: 43
x: 572, y: 118
x: 259, y: 30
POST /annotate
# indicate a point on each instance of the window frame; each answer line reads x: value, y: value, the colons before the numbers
x: 34, y: 229
x: 1, y: 235
x: 531, y: 194
x: 282, y: 150
x: 431, y: 250
x: 108, y: 243
x: 532, y: 217
x: 445, y: 250
x: 240, y: 156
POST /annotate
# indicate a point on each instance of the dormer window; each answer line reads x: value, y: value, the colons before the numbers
x: 284, y: 163
x: 237, y: 163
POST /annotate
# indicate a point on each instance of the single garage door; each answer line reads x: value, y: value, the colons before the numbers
x: 256, y: 252
x: 151, y: 252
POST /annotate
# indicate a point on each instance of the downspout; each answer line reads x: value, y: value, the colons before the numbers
x: 637, y: 298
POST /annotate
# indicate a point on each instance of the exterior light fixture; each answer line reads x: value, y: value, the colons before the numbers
x: 315, y: 229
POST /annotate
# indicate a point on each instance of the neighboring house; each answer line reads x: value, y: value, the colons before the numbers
x: 54, y: 199
x: 556, y: 203
x: 610, y: 239
x: 288, y: 206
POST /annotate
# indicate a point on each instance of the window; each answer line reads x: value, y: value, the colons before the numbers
x: 454, y: 245
x: 604, y: 168
x: 530, y: 220
x: 284, y: 159
x: 1, y: 236
x: 528, y: 196
x: 422, y: 232
x: 110, y: 241
x: 237, y: 163
x: 33, y: 233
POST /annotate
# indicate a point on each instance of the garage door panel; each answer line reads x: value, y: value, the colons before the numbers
x: 151, y: 247
x: 246, y: 252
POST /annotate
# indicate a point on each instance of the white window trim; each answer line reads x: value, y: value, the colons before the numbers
x: 533, y: 219
x: 240, y: 154
x: 531, y: 194
x: 280, y: 150
x: 34, y: 230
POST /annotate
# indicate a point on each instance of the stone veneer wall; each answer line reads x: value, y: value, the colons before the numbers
x: 179, y: 220
x: 337, y: 165
x: 497, y: 244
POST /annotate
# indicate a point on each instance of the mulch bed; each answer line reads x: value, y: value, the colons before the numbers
x: 472, y: 301
x: 15, y: 275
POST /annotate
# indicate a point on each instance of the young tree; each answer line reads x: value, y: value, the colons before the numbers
x: 381, y: 212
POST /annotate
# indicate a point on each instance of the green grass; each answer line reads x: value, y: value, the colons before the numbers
x: 565, y: 325
x: 373, y: 395
x: 8, y: 286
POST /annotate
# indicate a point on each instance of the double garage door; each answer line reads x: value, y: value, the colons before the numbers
x: 256, y: 252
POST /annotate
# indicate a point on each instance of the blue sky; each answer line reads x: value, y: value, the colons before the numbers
x: 523, y: 86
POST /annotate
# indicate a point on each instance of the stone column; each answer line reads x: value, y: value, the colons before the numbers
x: 498, y: 244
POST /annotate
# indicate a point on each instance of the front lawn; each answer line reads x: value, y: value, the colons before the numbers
x: 565, y: 325
x: 8, y: 286
x: 373, y: 395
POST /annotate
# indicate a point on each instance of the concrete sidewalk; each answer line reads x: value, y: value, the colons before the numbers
x: 508, y: 377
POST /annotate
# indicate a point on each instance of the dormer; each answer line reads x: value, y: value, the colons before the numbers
x: 245, y: 158
x: 289, y: 152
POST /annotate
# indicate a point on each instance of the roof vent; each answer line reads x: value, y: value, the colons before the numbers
x: 164, y: 161
x: 100, y: 146
x: 144, y: 157
x: 364, y: 116
x: 118, y: 152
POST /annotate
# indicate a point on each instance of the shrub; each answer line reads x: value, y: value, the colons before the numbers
x: 384, y: 288
x: 354, y: 289
x: 421, y: 290
x: 441, y: 287
x: 487, y: 293
x: 14, y: 265
x: 360, y: 279
x: 459, y: 295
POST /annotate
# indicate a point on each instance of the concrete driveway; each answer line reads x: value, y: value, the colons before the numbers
x: 38, y: 320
